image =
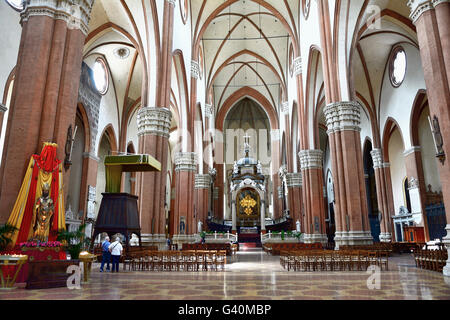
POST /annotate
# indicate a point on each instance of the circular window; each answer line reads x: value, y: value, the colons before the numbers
x: 16, y: 4
x: 184, y: 4
x: 397, y: 66
x: 100, y: 76
x: 306, y: 8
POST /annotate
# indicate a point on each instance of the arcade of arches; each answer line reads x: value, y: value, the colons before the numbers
x: 328, y: 117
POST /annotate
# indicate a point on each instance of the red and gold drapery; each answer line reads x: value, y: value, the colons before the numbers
x: 43, y: 168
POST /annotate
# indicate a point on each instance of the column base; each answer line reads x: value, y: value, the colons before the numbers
x: 315, y: 238
x: 149, y: 239
x: 353, y: 238
x: 386, y: 237
x: 446, y: 241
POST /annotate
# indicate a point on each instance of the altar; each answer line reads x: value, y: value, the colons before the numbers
x: 248, y: 192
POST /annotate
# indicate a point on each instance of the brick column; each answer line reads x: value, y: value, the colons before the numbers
x: 294, y: 185
x: 202, y: 190
x: 352, y: 222
x: 442, y: 8
x: 3, y: 110
x: 434, y: 52
x: 185, y: 168
x: 311, y: 162
x: 44, y: 98
x: 382, y: 195
x: 153, y: 132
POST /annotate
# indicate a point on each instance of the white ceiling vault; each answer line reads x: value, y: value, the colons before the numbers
x: 245, y: 45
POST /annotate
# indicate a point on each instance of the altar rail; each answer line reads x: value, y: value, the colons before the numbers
x: 218, y: 237
x: 277, y: 237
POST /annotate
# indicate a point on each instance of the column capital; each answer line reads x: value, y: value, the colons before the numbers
x: 343, y: 116
x: 311, y: 159
x: 285, y: 107
x: 172, y: 2
x: 297, y: 66
x: 294, y: 180
x: 418, y: 7
x: 185, y: 161
x: 3, y: 108
x: 202, y: 181
x: 76, y: 13
x: 154, y: 121
x: 195, y: 69
x: 209, y: 111
x: 377, y: 158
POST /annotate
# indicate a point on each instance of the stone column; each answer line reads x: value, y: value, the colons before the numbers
x: 294, y: 186
x: 432, y: 33
x: 311, y: 162
x: 382, y: 195
x: 263, y: 216
x: 202, y: 187
x: 89, y: 179
x: 352, y: 222
x: 44, y: 98
x: 185, y: 168
x: 233, y: 215
x: 416, y: 187
x: 153, y: 132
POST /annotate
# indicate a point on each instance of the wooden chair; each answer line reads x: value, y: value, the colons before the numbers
x: 201, y: 260
x: 190, y: 261
x: 383, y: 259
x: 221, y: 259
x: 211, y: 260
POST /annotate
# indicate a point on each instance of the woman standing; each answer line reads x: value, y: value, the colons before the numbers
x: 116, y: 251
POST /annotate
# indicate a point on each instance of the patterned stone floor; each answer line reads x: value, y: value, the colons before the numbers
x: 252, y: 275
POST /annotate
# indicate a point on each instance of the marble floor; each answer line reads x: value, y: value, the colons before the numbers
x: 252, y: 275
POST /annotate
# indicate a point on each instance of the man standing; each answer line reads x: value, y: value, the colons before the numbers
x: 116, y: 251
x: 106, y: 255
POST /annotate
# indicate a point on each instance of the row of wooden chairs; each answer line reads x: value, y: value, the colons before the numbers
x: 189, y: 260
x: 373, y: 247
x: 433, y: 260
x: 276, y: 248
x: 344, y: 260
x: 207, y: 246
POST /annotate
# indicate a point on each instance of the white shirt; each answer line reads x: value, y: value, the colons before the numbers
x: 116, y: 248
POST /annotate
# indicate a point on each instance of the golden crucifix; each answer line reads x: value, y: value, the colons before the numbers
x: 248, y: 203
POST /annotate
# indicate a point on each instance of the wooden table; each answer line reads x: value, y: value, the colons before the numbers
x: 11, y: 260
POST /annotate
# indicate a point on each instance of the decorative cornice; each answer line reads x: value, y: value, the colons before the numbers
x: 172, y: 2
x: 294, y: 180
x: 209, y: 111
x: 418, y: 7
x: 3, y: 108
x: 186, y: 161
x: 297, y: 66
x: 195, y: 69
x: 311, y: 159
x: 377, y: 158
x: 342, y: 116
x: 154, y: 121
x: 412, y: 150
x: 91, y: 156
x: 76, y: 13
x: 285, y: 107
x: 438, y: 2
x: 202, y: 181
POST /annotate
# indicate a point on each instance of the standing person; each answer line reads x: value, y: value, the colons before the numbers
x: 106, y: 255
x: 116, y: 251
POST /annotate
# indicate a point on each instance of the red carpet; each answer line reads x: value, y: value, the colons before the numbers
x: 249, y: 245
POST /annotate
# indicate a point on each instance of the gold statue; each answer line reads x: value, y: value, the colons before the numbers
x: 43, y: 215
